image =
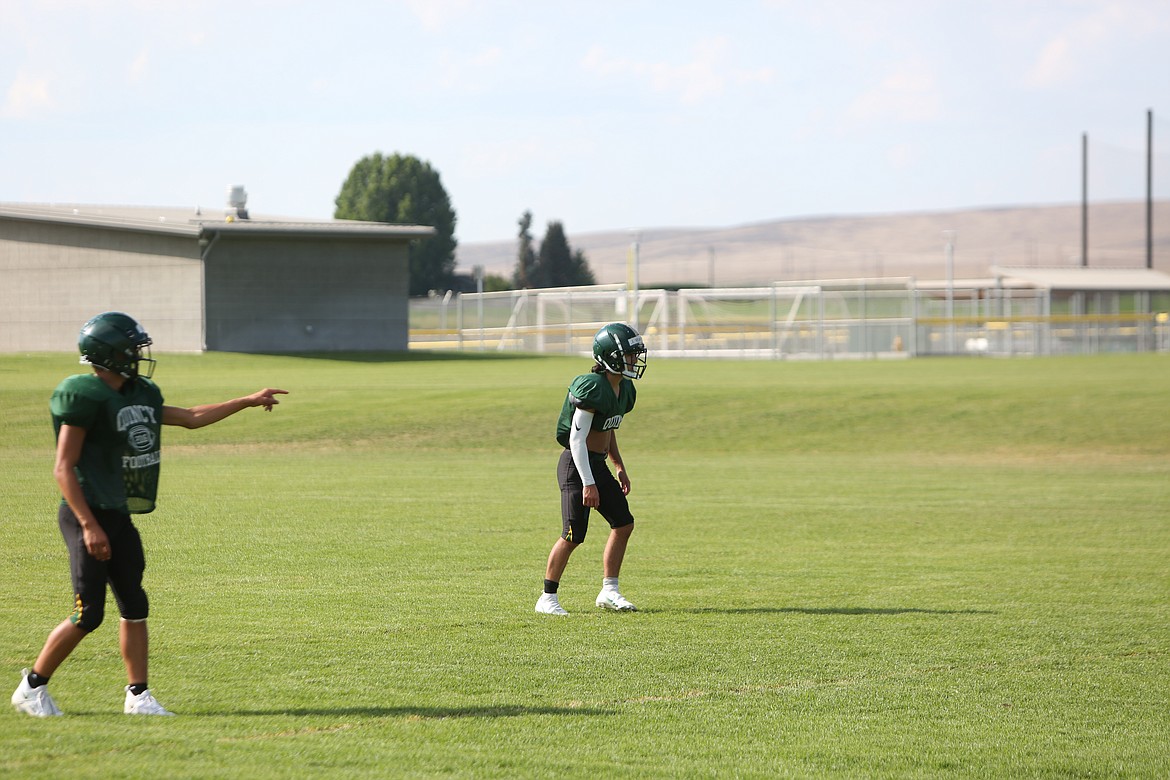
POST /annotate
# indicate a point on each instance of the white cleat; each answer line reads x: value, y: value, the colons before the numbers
x: 33, y: 701
x: 143, y: 704
x: 611, y: 599
x: 548, y: 604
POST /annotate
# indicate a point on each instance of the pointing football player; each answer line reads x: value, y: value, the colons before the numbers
x: 587, y: 428
x: 108, y: 452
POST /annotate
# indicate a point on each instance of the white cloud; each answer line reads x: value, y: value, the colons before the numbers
x: 486, y: 159
x: 907, y: 94
x: 139, y: 69
x: 434, y: 15
x: 1055, y: 64
x: 757, y: 76
x: 696, y: 79
x: 489, y: 56
x: 28, y: 97
x: 1088, y: 40
x: 490, y: 158
x: 703, y: 76
x: 467, y: 72
x: 598, y: 60
x: 900, y: 156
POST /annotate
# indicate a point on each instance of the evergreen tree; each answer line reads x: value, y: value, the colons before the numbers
x: 582, y: 274
x: 555, y: 265
x: 525, y: 255
x: 555, y: 258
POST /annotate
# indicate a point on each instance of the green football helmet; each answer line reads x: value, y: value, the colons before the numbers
x: 116, y: 342
x: 616, y: 342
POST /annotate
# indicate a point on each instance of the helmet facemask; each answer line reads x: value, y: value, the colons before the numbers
x: 634, y: 360
x: 143, y: 356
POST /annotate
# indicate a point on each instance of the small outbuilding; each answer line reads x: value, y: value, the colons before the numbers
x: 197, y: 282
x: 1085, y: 291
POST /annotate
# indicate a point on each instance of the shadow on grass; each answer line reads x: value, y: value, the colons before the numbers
x: 831, y: 611
x: 420, y: 713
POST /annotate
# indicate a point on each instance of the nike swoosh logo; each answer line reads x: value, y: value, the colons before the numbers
x: 576, y: 427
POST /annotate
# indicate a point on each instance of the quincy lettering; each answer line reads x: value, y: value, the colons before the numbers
x: 613, y: 423
x: 135, y: 415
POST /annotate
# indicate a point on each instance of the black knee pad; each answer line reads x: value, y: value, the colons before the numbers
x: 134, y: 606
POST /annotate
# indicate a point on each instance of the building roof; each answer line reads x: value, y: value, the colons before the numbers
x: 198, y: 222
x: 1116, y: 279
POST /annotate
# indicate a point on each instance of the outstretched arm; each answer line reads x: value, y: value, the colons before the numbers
x: 199, y: 416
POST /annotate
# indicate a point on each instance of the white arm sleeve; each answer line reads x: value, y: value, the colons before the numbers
x: 578, y: 433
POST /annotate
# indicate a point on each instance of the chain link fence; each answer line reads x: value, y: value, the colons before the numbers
x: 824, y: 320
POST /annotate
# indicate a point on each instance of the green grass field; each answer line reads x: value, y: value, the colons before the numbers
x: 932, y: 568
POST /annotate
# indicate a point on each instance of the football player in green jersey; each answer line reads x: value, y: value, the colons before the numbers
x: 108, y: 426
x: 587, y: 429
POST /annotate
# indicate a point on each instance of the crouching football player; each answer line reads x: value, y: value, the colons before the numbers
x: 587, y: 429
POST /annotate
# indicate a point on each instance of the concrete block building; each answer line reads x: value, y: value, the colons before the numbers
x: 197, y: 282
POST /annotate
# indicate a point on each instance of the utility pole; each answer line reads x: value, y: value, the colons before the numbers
x: 632, y: 279
x: 950, y: 256
x: 1084, y: 200
x: 1150, y: 188
x: 478, y: 272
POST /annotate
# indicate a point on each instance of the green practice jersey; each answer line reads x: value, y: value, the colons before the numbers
x: 593, y: 391
x: 120, y: 456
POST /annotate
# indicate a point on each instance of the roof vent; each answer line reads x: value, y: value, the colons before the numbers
x: 237, y: 201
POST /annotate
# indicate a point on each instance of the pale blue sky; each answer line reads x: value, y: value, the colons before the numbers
x: 603, y: 115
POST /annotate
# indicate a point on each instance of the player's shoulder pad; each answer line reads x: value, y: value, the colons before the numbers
x: 84, y: 385
x: 587, y: 391
x: 78, y: 398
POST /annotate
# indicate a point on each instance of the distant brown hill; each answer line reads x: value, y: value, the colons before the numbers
x: 835, y: 247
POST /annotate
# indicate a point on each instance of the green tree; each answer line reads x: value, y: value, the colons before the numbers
x: 496, y: 283
x: 555, y: 257
x: 522, y: 277
x: 558, y: 265
x: 582, y: 273
x: 555, y: 265
x: 401, y: 189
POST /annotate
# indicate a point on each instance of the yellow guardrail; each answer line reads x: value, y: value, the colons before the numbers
x: 1052, y: 319
x: 991, y: 323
